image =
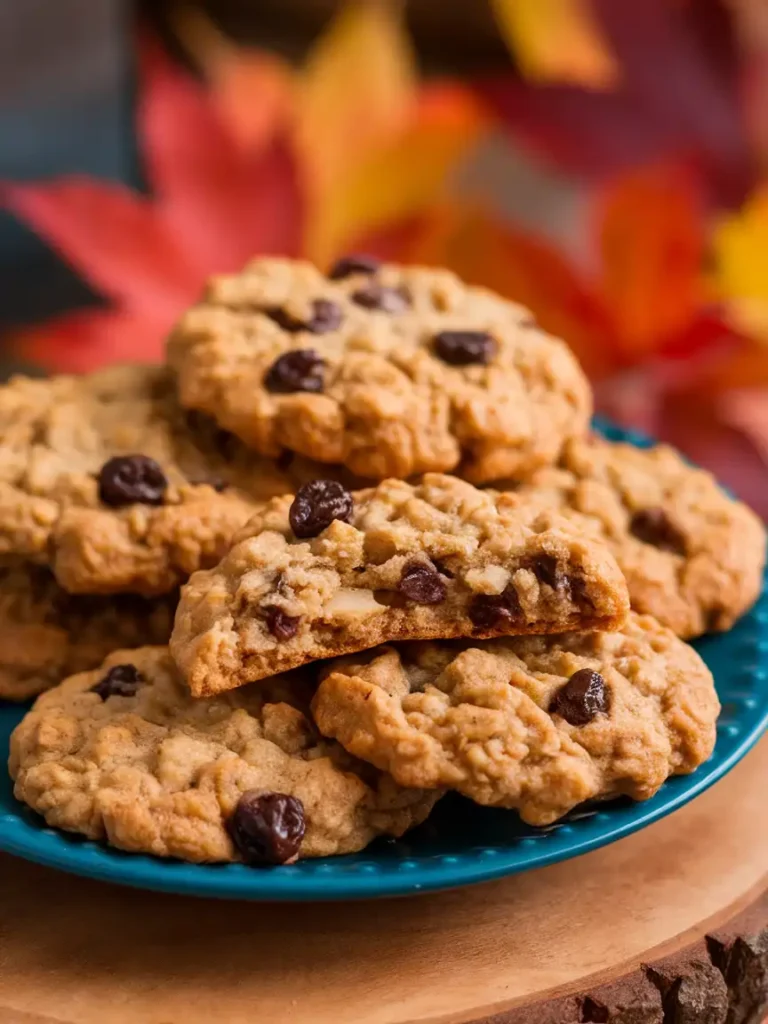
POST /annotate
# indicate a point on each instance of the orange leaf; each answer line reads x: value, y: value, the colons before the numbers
x: 651, y: 241
x: 742, y: 364
x: 741, y: 271
x: 258, y: 208
x: 254, y: 92
x: 399, y: 179
x: 356, y: 91
x: 557, y: 41
x: 442, y: 100
x: 527, y: 270
x: 157, y: 255
x: 252, y: 88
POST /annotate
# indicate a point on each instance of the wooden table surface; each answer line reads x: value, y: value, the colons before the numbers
x: 557, y: 946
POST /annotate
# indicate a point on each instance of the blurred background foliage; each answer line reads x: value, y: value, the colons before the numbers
x: 603, y: 163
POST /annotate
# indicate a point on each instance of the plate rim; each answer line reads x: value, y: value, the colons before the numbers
x: 86, y: 858
x: 219, y: 881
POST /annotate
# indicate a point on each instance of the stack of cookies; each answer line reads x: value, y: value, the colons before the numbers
x: 111, y: 494
x: 405, y: 567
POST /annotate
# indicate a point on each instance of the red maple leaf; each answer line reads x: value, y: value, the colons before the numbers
x: 680, y: 96
x: 213, y: 206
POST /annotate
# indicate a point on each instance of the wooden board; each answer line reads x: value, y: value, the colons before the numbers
x: 563, y: 945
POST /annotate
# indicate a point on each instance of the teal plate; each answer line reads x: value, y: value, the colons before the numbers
x: 461, y: 843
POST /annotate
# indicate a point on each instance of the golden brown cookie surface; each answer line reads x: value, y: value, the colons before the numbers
x: 539, y: 724
x: 124, y: 753
x: 693, y: 557
x: 388, y: 370
x: 107, y: 480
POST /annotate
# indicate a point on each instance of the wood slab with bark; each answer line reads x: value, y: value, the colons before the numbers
x: 669, y: 926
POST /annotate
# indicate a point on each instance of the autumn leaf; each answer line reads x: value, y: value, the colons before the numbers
x: 214, y: 207
x: 703, y: 430
x: 482, y: 249
x: 222, y: 203
x: 80, y: 341
x: 736, y: 363
x: 398, y: 180
x: 216, y: 203
x: 751, y: 21
x: 679, y: 95
x: 747, y: 410
x: 114, y: 238
x: 650, y: 230
x: 256, y: 73
x: 646, y: 295
x: 370, y: 154
x: 557, y: 41
x: 252, y: 88
x: 356, y: 91
x: 740, y: 243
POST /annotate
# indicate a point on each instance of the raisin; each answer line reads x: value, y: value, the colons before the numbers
x: 120, y: 681
x: 653, y: 526
x: 126, y: 479
x: 301, y: 369
x: 547, y: 570
x: 463, y: 348
x: 378, y: 296
x: 282, y: 626
x: 422, y: 583
x: 316, y: 505
x: 326, y: 316
x: 582, y: 698
x: 496, y: 612
x: 267, y: 828
x: 356, y: 263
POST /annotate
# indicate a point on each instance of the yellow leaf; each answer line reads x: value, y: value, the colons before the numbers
x: 741, y: 269
x: 557, y: 41
x: 356, y: 91
x: 652, y: 242
x: 400, y: 179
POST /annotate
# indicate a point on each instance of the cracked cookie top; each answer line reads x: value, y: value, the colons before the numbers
x: 388, y: 370
x: 124, y: 753
x: 693, y: 556
x: 539, y: 724
x: 110, y: 482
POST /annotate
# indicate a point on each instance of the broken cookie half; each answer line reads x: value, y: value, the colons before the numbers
x: 331, y: 572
